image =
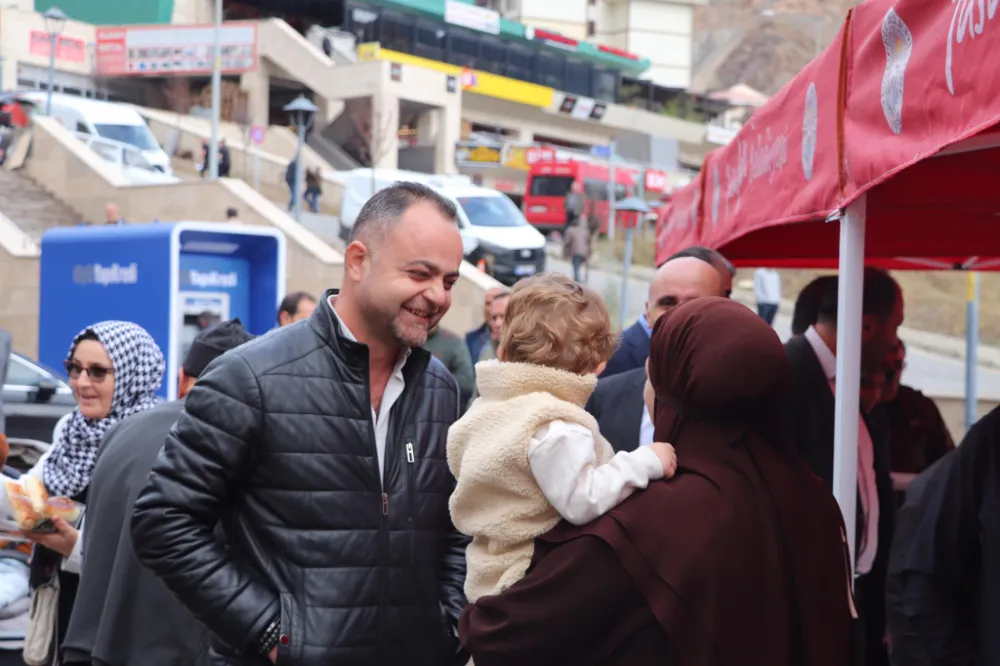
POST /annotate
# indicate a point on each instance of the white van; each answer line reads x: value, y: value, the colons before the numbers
x: 107, y: 120
x: 494, y: 231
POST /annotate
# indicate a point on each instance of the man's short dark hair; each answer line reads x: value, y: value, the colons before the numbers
x: 879, y: 294
x: 290, y: 303
x: 387, y: 206
x: 808, y: 303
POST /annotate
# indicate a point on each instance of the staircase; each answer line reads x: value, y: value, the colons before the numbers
x: 30, y: 207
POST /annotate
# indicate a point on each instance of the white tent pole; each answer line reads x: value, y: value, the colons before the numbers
x: 845, y: 449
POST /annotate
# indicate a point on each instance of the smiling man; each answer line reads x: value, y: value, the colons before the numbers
x: 322, y: 448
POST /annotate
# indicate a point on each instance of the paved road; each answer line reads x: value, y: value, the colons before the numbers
x: 936, y: 376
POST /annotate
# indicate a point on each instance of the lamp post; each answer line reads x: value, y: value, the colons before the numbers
x: 815, y: 21
x: 302, y: 112
x: 55, y: 21
x: 213, y: 146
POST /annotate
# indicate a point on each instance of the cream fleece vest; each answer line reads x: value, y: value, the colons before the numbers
x: 497, y: 500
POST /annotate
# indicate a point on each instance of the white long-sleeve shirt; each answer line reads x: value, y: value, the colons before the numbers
x: 562, y: 459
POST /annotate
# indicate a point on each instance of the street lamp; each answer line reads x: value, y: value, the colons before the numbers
x: 301, y: 112
x: 815, y: 21
x: 213, y: 146
x: 55, y: 21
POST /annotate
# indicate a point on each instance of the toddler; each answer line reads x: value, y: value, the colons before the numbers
x: 527, y: 453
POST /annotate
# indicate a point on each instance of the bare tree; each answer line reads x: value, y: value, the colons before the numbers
x: 376, y: 132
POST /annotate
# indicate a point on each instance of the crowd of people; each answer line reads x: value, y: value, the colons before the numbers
x: 351, y: 489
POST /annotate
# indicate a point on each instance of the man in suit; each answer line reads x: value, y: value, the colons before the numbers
x: 617, y: 402
x: 811, y: 420
x: 681, y: 278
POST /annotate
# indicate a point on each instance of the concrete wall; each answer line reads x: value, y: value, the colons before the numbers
x: 19, y: 295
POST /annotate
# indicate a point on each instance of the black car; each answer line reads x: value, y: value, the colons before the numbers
x: 34, y: 399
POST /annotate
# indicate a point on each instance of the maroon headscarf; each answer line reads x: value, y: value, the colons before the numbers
x: 741, y: 557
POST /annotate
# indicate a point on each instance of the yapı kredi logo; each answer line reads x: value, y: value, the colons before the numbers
x: 85, y: 274
x: 209, y: 279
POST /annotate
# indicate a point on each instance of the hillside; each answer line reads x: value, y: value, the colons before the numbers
x: 735, y: 43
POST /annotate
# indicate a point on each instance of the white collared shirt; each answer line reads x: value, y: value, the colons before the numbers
x: 645, y: 428
x: 393, y: 389
x: 868, y: 490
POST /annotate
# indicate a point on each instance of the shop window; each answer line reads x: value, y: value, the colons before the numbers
x: 464, y: 49
x: 520, y: 62
x: 492, y: 55
x: 396, y: 32
x: 605, y: 84
x: 577, y: 77
x: 550, y: 70
x: 430, y: 41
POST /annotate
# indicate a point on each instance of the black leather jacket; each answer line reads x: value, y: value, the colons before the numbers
x: 277, y: 441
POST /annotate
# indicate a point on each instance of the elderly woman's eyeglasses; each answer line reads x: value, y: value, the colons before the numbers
x: 97, y: 373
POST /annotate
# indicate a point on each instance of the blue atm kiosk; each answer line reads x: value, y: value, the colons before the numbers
x: 171, y: 279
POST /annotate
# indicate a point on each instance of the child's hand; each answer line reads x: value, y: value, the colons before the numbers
x: 665, y: 452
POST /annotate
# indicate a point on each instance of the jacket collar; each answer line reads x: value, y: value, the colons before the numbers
x: 326, y: 323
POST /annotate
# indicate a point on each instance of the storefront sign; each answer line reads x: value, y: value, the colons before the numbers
x: 67, y: 48
x: 537, y: 154
x: 396, y: 71
x: 471, y: 16
x: 368, y: 51
x: 582, y: 108
x: 474, y: 81
x: 655, y: 181
x: 165, y: 50
x: 478, y: 155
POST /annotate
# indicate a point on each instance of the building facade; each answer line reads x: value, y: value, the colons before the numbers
x: 658, y: 30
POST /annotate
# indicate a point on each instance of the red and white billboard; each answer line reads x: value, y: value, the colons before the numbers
x: 67, y: 48
x: 655, y: 181
x: 169, y: 50
x: 536, y: 154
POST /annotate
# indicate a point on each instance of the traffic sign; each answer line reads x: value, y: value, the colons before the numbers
x: 257, y: 135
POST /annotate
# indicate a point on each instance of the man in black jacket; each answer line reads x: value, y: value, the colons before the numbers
x: 810, y: 416
x: 321, y: 447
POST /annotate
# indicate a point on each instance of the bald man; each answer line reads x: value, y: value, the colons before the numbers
x: 618, y: 403
x: 679, y: 280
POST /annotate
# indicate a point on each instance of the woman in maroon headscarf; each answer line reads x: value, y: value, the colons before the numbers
x: 739, y: 561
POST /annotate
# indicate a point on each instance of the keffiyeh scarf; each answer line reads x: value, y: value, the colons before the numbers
x: 138, y: 367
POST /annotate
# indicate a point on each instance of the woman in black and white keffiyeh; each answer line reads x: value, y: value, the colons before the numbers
x: 137, y: 367
x: 115, y: 369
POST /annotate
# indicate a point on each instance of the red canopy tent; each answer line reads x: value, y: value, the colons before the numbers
x: 677, y: 223
x: 781, y: 168
x: 915, y: 163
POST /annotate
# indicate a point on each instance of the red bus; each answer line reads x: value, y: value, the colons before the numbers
x: 549, y: 182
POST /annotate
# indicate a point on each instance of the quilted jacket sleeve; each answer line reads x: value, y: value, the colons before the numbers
x: 452, y: 581
x: 176, y: 514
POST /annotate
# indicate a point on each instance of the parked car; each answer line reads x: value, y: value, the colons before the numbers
x: 34, y: 399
